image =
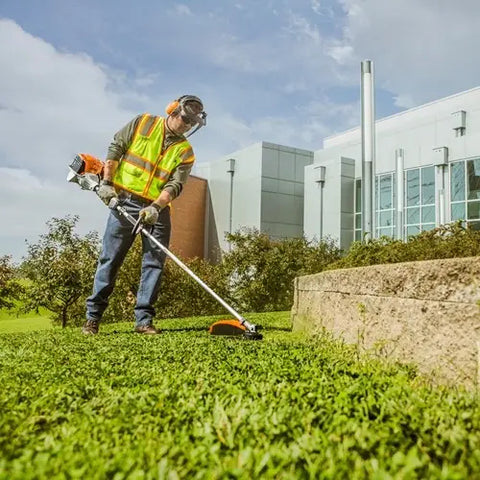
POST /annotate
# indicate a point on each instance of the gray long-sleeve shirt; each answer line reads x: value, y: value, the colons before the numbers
x: 122, y: 141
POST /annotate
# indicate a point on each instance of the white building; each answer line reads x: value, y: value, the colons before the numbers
x: 431, y: 154
x: 258, y: 187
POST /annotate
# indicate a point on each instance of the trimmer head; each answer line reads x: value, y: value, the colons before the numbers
x: 234, y: 328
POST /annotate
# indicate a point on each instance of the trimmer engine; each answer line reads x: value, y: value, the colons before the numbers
x: 86, y: 170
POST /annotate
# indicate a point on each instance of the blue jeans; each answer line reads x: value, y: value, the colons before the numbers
x: 117, y: 240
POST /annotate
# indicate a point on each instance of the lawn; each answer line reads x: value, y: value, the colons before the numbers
x: 185, y: 405
x: 10, y: 322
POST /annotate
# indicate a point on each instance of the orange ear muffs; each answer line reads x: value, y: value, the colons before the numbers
x: 172, y: 106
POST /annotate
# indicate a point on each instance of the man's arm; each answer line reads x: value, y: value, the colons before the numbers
x: 174, y: 186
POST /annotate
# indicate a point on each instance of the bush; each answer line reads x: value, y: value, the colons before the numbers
x: 255, y: 276
x: 180, y: 295
x: 261, y: 270
x: 446, y: 241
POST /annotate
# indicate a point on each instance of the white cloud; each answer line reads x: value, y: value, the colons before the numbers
x: 302, y: 29
x: 422, y: 50
x: 342, y: 54
x: 182, y: 9
x: 403, y: 101
x: 54, y: 105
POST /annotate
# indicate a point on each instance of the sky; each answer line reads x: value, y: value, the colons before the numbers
x: 73, y: 72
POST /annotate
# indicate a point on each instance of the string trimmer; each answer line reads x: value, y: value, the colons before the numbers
x: 87, y: 171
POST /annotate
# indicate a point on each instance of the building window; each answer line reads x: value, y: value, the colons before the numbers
x: 419, y: 200
x: 358, y: 209
x: 465, y: 192
x: 385, y: 204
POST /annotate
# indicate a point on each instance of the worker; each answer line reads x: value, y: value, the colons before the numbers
x: 147, y: 166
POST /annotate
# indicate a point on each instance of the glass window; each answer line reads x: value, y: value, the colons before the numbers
x: 474, y: 225
x: 458, y: 211
x: 428, y: 185
x: 358, y: 222
x: 386, y: 192
x: 473, y: 175
x: 465, y: 190
x: 385, y: 201
x: 413, y: 215
x: 457, y: 182
x: 386, y: 219
x: 473, y: 210
x: 412, y: 230
x: 413, y: 187
x: 420, y: 200
x: 358, y: 196
x: 385, y: 231
x: 428, y: 214
x: 358, y: 209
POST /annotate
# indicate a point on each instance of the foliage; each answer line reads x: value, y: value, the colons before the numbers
x: 61, y: 267
x: 10, y: 288
x: 185, y: 405
x: 262, y: 270
x: 180, y: 295
x: 447, y: 241
x: 256, y: 275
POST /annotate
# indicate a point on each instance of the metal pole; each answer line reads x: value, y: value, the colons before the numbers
x: 440, y: 190
x: 400, y: 192
x: 368, y: 150
x: 231, y: 171
x: 320, y: 181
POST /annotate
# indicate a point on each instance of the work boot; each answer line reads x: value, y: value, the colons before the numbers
x: 90, y: 328
x: 148, y: 330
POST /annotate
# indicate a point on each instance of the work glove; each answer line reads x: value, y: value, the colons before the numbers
x: 106, y: 191
x: 150, y: 214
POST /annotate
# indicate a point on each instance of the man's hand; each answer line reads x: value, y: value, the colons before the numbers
x: 106, y: 191
x: 150, y: 214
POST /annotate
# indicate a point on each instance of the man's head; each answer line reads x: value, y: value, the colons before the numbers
x: 186, y: 113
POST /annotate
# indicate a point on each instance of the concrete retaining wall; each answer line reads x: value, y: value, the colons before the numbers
x: 427, y: 313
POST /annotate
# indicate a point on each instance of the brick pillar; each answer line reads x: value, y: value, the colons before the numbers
x: 188, y: 219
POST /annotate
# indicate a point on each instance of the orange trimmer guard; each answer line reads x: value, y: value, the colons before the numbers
x: 227, y: 327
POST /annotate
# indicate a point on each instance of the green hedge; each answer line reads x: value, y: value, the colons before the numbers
x: 256, y: 275
x: 448, y: 241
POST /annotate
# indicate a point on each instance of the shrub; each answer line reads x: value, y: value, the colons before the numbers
x: 446, y: 241
x: 256, y: 276
x: 262, y: 270
x: 180, y: 295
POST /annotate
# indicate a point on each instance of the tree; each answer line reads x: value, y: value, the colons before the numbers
x: 10, y: 289
x: 262, y: 269
x: 61, y: 267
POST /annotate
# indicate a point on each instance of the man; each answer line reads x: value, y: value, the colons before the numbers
x: 147, y: 166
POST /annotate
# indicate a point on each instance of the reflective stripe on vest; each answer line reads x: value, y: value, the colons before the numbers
x: 145, y: 169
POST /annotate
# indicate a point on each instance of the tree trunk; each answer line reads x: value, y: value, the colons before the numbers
x: 64, y: 317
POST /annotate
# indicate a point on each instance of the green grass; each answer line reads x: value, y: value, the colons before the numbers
x: 11, y: 323
x: 186, y: 405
